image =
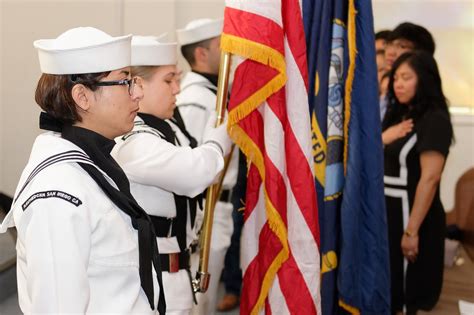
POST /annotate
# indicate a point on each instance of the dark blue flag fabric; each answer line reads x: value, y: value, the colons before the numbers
x: 347, y: 153
x: 325, y: 26
x: 364, y: 276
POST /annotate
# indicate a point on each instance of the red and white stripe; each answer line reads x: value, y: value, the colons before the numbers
x: 281, y: 129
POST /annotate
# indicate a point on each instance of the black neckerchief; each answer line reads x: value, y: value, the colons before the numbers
x: 181, y: 202
x: 211, y: 77
x: 98, y: 149
x: 160, y: 125
x: 197, y: 201
x: 178, y: 121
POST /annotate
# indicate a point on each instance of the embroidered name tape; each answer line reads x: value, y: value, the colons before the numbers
x: 52, y: 194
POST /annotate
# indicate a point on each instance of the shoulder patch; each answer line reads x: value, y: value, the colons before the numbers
x: 148, y: 130
x: 52, y: 194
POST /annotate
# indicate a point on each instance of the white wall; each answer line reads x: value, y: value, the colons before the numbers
x: 148, y: 17
x: 452, y: 26
x: 187, y: 10
x: 460, y: 159
x: 23, y: 21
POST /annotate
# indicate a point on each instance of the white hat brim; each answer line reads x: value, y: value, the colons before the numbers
x: 147, y: 51
x: 106, y: 56
x: 197, y: 34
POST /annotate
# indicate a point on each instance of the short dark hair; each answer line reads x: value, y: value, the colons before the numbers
x: 383, y: 34
x: 53, y: 94
x: 429, y: 92
x: 418, y: 35
x: 188, y: 50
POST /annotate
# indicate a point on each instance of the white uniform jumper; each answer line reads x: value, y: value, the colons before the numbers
x: 77, y: 251
x: 196, y: 102
x: 161, y: 174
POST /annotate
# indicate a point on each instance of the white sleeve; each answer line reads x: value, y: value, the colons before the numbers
x: 57, y: 238
x: 150, y: 160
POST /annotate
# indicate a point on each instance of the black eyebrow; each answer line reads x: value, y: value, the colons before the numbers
x: 125, y: 72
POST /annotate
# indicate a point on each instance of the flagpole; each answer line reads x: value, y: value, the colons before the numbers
x: 201, y: 282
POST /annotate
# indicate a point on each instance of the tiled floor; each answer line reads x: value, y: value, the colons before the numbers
x: 458, y: 284
x: 219, y: 297
x: 10, y: 306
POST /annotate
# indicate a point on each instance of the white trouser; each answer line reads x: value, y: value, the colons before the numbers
x: 222, y: 229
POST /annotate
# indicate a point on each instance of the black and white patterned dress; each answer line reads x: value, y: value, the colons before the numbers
x: 416, y: 285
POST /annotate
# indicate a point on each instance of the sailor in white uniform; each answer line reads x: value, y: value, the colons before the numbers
x: 84, y: 245
x: 200, y: 41
x: 165, y: 172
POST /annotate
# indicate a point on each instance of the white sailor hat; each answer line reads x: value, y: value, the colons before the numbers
x: 199, y: 30
x: 83, y: 50
x: 153, y: 51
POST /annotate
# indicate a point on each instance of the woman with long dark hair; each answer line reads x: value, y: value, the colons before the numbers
x: 417, y: 136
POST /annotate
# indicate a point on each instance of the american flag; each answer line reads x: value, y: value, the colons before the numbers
x: 269, y: 120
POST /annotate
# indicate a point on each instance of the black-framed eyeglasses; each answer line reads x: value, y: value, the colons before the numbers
x: 130, y: 82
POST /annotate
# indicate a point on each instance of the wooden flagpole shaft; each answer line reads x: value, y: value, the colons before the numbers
x: 201, y: 282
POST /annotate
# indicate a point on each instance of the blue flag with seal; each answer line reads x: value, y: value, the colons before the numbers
x: 347, y: 153
x: 325, y: 27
